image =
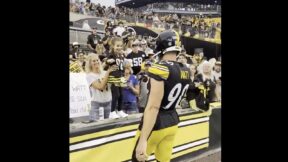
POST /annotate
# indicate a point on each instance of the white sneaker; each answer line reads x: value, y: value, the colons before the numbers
x: 122, y: 114
x: 113, y: 115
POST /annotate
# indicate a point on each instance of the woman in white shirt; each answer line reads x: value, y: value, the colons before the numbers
x: 101, y: 92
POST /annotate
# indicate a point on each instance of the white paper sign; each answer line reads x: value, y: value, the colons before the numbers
x: 80, y: 99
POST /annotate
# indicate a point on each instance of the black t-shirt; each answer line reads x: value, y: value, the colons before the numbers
x: 137, y: 59
x: 93, y: 40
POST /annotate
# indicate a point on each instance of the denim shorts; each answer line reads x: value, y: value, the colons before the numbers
x: 94, y: 112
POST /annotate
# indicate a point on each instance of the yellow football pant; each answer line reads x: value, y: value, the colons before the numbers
x: 160, y: 142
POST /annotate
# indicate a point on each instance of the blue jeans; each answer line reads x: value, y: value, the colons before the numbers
x: 94, y: 112
x: 130, y: 107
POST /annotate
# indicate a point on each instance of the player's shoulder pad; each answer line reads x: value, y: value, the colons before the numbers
x: 159, y: 71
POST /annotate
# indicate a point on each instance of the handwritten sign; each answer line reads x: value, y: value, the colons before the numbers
x: 80, y: 99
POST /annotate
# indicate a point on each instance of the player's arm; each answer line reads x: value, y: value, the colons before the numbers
x: 158, y: 74
x: 152, y: 107
x: 150, y: 115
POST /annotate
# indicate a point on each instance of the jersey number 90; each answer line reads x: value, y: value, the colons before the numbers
x: 175, y: 94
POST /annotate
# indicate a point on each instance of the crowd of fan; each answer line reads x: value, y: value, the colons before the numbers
x: 197, y: 26
x: 120, y: 96
x: 92, y: 9
x: 89, y: 8
x: 181, y: 6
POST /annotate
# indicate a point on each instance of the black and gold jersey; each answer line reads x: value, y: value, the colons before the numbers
x: 115, y: 76
x: 176, y: 77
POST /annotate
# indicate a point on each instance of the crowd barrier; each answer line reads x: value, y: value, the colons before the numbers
x: 114, y: 141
